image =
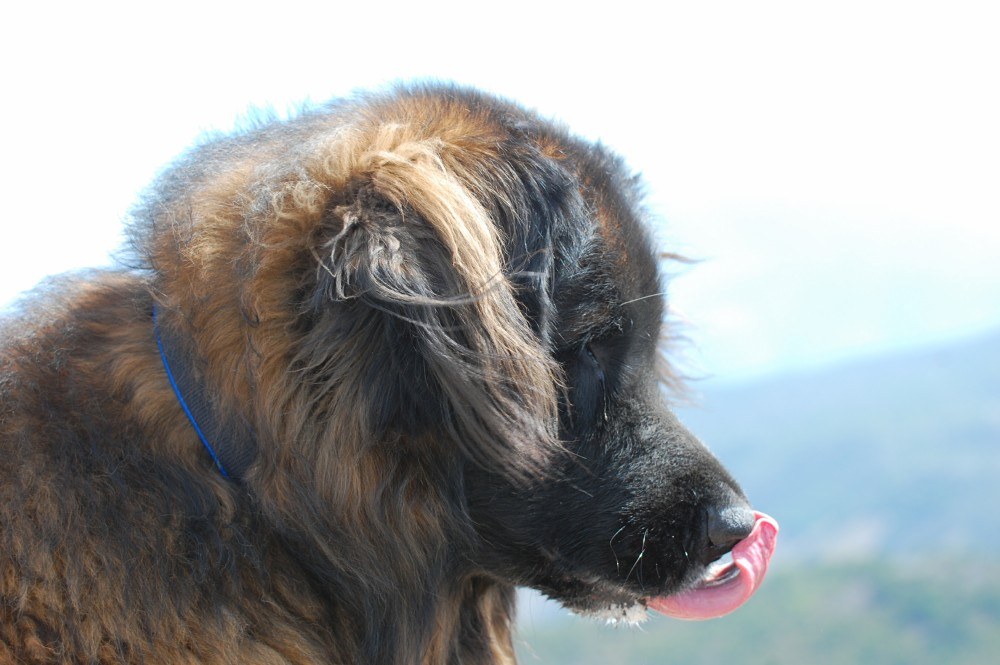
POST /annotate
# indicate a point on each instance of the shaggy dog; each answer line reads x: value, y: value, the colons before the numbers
x: 373, y: 368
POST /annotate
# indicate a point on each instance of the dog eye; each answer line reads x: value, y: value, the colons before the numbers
x: 594, y: 363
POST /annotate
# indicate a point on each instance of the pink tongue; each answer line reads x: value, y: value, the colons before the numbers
x: 751, y: 556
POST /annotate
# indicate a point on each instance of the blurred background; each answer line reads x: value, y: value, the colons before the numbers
x: 834, y: 167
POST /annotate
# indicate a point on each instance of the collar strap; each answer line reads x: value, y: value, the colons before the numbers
x: 230, y: 441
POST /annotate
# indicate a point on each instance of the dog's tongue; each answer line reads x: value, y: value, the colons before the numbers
x: 709, y: 600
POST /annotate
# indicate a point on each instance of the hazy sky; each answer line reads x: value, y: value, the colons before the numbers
x: 836, y: 169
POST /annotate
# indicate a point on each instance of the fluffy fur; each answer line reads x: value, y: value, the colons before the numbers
x: 438, y: 317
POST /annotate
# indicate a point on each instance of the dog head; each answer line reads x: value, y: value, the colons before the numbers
x: 442, y: 316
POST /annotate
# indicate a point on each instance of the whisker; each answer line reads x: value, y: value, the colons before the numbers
x: 642, y: 552
x: 618, y: 568
x: 651, y: 295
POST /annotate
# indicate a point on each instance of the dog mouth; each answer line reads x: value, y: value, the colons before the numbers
x: 726, y: 584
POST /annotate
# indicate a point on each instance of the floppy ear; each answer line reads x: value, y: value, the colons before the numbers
x: 449, y: 345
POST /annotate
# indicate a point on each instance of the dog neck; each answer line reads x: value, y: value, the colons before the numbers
x: 230, y: 441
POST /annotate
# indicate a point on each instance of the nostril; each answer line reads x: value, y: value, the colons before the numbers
x: 728, y: 526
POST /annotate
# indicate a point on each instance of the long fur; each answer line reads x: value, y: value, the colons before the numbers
x: 395, y: 292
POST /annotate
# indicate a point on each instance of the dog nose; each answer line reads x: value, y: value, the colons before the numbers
x: 727, y: 526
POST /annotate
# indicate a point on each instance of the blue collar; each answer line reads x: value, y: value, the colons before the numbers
x: 235, y: 445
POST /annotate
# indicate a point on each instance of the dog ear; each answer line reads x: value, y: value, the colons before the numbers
x: 448, y: 344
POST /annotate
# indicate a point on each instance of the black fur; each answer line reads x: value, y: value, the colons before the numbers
x: 425, y: 438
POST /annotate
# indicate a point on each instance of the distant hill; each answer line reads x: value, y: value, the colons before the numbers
x: 893, y: 455
x: 835, y: 614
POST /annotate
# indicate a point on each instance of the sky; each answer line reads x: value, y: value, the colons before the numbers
x: 834, y: 167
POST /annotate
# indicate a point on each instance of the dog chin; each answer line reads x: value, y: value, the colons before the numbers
x: 616, y: 614
x: 604, y: 600
x: 598, y: 599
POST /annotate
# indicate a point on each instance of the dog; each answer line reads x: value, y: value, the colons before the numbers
x: 366, y: 371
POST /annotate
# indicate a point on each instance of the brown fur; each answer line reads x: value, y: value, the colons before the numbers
x: 95, y: 558
x: 366, y: 287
